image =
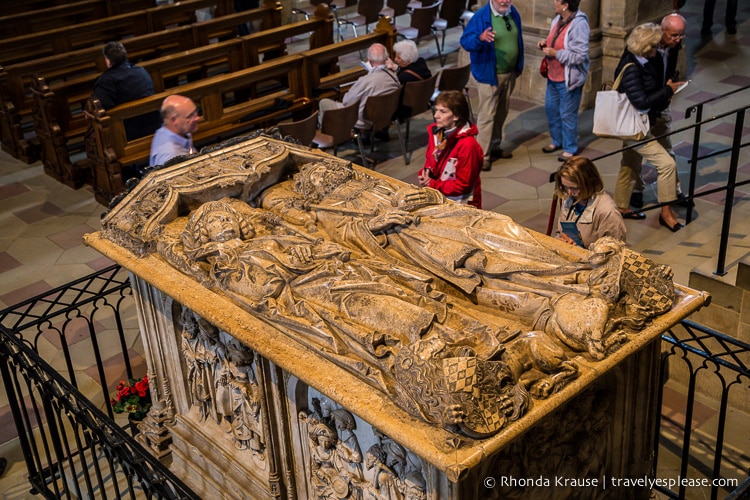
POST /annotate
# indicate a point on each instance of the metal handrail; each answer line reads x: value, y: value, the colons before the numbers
x: 731, y: 184
x: 71, y: 448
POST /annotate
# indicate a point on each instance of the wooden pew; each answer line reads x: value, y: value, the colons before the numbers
x: 64, y: 39
x: 11, y: 7
x: 34, y: 21
x: 16, y: 97
x: 322, y: 71
x: 108, y: 149
x: 59, y: 121
x: 224, y: 27
x: 114, y: 7
x: 15, y: 80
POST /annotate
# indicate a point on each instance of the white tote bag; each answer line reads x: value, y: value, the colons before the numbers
x: 615, y: 116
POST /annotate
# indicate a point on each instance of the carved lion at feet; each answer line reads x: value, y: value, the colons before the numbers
x: 582, y: 323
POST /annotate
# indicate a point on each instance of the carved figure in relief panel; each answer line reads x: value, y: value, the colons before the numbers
x: 350, y: 454
x: 485, y: 255
x: 335, y: 460
x: 239, y: 399
x: 397, y: 473
x: 199, y: 339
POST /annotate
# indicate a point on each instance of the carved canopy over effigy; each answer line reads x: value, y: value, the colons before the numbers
x: 456, y: 320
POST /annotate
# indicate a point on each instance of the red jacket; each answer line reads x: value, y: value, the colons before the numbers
x: 455, y: 170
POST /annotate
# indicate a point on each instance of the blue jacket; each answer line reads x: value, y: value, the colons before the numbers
x: 483, y: 53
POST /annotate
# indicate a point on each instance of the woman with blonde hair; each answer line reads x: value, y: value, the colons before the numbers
x: 588, y: 212
x: 644, y: 87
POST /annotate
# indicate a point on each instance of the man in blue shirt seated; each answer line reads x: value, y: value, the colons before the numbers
x: 175, y: 137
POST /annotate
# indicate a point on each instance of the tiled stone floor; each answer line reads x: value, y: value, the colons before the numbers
x: 41, y: 220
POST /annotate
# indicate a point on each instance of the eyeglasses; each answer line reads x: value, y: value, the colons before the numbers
x: 681, y: 36
x: 507, y: 23
x: 571, y: 189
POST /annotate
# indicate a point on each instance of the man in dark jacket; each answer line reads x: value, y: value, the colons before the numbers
x: 123, y: 82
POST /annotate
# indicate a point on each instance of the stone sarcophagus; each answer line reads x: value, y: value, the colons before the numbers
x: 317, y: 330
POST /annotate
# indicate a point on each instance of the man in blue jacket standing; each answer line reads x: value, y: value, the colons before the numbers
x: 495, y: 44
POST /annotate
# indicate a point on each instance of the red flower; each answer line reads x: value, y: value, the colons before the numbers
x: 142, y: 387
x: 132, y: 396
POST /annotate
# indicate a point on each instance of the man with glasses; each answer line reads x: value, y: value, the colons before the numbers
x: 494, y: 41
x: 175, y: 137
x: 669, y: 62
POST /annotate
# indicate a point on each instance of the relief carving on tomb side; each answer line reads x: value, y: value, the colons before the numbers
x: 223, y: 384
x: 337, y: 468
x: 460, y: 316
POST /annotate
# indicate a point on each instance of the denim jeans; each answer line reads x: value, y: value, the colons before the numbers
x: 561, y: 107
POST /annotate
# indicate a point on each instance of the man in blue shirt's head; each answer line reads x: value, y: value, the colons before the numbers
x: 175, y: 137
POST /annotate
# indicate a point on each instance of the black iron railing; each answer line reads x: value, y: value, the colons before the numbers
x: 73, y: 448
x: 705, y: 358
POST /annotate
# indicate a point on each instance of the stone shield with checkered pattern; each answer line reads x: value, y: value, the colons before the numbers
x: 649, y: 285
x: 463, y: 377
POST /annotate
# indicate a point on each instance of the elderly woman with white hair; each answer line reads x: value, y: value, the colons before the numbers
x: 644, y: 85
x: 407, y: 64
x: 410, y: 68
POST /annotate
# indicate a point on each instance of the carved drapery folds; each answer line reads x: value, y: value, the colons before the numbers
x: 461, y: 317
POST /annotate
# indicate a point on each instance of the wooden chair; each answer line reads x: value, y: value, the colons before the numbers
x: 379, y: 114
x: 303, y: 130
x: 422, y: 20
x: 455, y: 78
x: 468, y: 13
x: 394, y: 8
x: 368, y: 12
x: 334, y: 5
x: 449, y: 17
x: 417, y: 99
x: 337, y: 127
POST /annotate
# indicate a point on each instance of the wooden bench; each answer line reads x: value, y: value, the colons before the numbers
x: 59, y: 122
x: 114, y: 7
x: 323, y: 74
x: 64, y: 39
x: 34, y: 21
x: 108, y: 149
x: 16, y: 97
x: 224, y: 27
x: 15, y: 80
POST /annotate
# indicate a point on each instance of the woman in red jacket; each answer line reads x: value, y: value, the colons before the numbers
x: 453, y: 160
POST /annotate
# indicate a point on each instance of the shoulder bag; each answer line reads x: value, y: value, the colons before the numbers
x: 615, y: 116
